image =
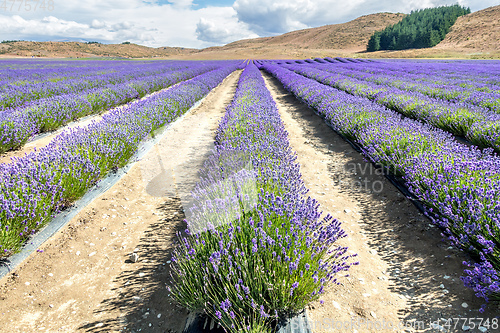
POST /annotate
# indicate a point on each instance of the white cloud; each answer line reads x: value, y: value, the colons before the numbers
x: 96, y: 24
x: 147, y: 23
x: 276, y: 16
x: 223, y: 29
x: 209, y: 31
x: 122, y: 26
x: 52, y: 26
x: 179, y: 23
x: 182, y: 3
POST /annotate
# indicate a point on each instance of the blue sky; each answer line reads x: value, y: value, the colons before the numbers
x: 192, y: 23
x: 216, y: 3
x: 202, y: 3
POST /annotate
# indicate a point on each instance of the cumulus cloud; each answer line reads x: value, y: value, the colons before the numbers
x: 96, y: 24
x: 182, y: 3
x: 122, y: 26
x: 52, y: 26
x: 180, y: 23
x: 153, y: 23
x: 210, y: 32
x: 214, y: 32
x: 277, y: 16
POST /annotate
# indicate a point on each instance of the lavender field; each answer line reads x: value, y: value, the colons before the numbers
x: 257, y: 247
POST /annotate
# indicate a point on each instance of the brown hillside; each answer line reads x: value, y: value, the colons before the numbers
x: 479, y: 30
x: 77, y: 49
x: 350, y: 36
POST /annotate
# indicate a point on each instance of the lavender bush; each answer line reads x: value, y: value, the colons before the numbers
x: 274, y: 255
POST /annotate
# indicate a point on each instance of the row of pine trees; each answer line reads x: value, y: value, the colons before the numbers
x: 422, y: 28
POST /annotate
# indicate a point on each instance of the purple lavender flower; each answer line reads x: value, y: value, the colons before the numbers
x: 225, y: 305
x: 218, y: 314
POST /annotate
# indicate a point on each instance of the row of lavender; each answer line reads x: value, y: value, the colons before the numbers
x: 19, y: 125
x: 458, y: 184
x: 35, y: 187
x: 480, y: 126
x: 73, y: 80
x: 477, y: 75
x: 435, y: 85
x: 258, y: 248
x: 466, y: 77
x: 21, y: 71
x: 449, y: 90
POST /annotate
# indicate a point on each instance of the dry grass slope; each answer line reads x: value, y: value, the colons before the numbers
x: 331, y: 39
x: 79, y: 50
x: 477, y: 31
x: 352, y: 35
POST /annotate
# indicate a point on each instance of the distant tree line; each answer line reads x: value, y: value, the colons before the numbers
x: 421, y: 28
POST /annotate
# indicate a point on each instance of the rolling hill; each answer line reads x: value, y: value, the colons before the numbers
x: 342, y: 39
x: 352, y: 35
x: 476, y: 31
x: 473, y: 36
x: 80, y: 50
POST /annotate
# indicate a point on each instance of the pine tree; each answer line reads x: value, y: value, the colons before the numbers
x: 421, y: 28
x: 374, y: 43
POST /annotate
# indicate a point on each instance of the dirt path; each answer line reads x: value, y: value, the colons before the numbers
x: 84, y: 281
x: 406, y: 271
x: 45, y: 138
